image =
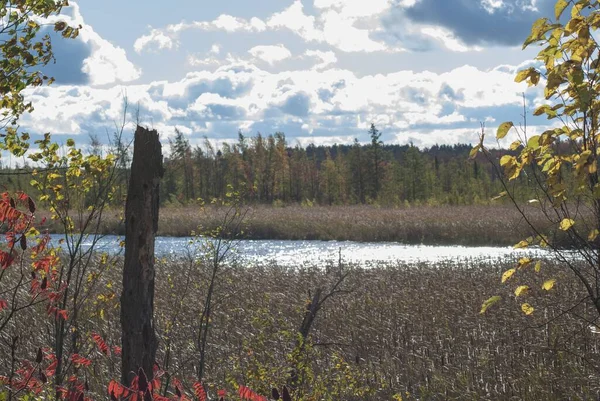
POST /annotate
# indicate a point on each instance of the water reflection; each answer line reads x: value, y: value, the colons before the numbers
x: 295, y: 253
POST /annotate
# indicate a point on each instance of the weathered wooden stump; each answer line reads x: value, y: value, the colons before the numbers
x: 138, y: 339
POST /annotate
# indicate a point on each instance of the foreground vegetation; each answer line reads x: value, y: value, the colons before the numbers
x: 405, y: 331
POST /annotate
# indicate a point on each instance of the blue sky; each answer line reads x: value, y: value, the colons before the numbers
x: 424, y: 71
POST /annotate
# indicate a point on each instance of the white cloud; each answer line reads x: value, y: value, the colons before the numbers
x: 335, y: 25
x: 270, y: 54
x: 355, y: 8
x: 326, y: 103
x: 338, y: 24
x: 446, y: 38
x: 293, y: 18
x: 155, y: 40
x: 325, y: 59
x: 106, y: 63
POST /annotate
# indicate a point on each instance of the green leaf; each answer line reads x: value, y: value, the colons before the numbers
x: 566, y: 224
x: 559, y: 8
x: 527, y: 309
x: 548, y: 284
x: 503, y: 129
x: 489, y: 302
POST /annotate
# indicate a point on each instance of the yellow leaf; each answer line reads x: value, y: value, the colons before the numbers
x: 566, y: 224
x: 508, y: 274
x: 538, y: 266
x: 474, y: 152
x: 527, y: 309
x: 548, y: 284
x: 522, y: 289
x: 503, y: 129
x: 507, y: 160
x: 593, y: 234
x: 524, y: 262
x: 559, y: 8
x: 489, y: 302
x: 522, y: 244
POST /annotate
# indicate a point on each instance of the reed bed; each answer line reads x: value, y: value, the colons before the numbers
x: 397, y: 329
x: 430, y: 225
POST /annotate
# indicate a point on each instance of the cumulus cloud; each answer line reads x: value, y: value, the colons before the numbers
x: 335, y: 25
x: 324, y: 59
x: 474, y: 23
x: 88, y: 59
x: 270, y: 54
x: 330, y: 103
x: 154, y: 41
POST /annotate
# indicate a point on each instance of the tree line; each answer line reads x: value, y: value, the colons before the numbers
x: 266, y: 169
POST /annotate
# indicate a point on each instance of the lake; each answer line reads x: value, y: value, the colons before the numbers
x: 322, y: 253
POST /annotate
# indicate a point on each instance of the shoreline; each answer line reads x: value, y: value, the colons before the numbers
x: 479, y: 225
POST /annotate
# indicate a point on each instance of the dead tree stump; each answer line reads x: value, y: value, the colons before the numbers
x: 138, y: 336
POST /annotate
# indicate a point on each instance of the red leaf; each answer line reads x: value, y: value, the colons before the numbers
x: 51, y: 369
x: 79, y: 360
x: 199, y: 391
x: 6, y: 259
x: 116, y: 389
x: 101, y: 344
x: 3, y: 304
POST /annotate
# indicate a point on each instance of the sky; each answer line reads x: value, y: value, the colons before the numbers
x: 321, y: 71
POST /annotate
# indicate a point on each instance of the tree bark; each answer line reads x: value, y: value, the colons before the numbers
x: 138, y: 337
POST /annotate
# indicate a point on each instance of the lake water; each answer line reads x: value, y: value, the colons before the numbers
x: 322, y: 253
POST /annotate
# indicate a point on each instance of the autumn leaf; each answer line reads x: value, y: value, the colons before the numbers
x: 548, y: 284
x: 503, y: 129
x: 508, y: 274
x: 527, y: 309
x: 489, y: 302
x: 521, y: 290
x: 559, y: 8
x: 565, y: 224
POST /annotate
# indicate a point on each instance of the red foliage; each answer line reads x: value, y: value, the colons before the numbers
x: 247, y: 394
x: 101, y: 344
x: 80, y: 360
x: 199, y: 391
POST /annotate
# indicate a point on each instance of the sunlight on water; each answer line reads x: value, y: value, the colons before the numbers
x: 322, y: 253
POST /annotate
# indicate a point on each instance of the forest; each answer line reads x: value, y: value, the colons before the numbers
x: 267, y: 170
